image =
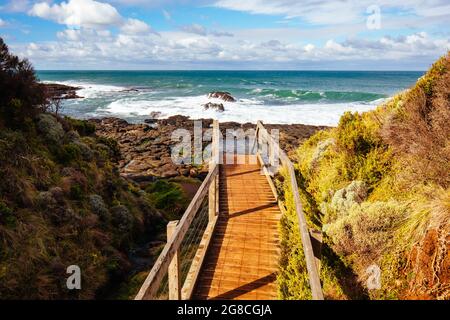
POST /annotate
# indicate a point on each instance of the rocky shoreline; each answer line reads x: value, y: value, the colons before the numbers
x: 146, y: 147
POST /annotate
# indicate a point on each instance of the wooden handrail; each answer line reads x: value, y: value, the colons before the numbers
x: 313, y: 273
x: 151, y: 285
x: 154, y: 278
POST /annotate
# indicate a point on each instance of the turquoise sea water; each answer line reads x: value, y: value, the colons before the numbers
x: 310, y: 97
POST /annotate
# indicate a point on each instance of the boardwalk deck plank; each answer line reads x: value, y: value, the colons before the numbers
x: 242, y: 260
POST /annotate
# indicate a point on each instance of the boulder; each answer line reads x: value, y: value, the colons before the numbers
x: 155, y: 114
x: 214, y: 106
x: 225, y: 96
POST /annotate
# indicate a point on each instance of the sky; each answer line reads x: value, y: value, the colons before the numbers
x: 227, y: 34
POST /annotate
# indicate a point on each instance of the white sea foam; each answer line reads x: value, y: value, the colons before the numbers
x: 245, y: 110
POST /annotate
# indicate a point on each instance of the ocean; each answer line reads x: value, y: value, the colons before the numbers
x: 282, y: 97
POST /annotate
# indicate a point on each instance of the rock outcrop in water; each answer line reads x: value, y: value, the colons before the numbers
x: 61, y: 91
x: 225, y: 96
x: 214, y: 106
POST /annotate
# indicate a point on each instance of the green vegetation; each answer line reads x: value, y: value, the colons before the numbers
x: 166, y: 195
x: 377, y: 185
x: 63, y: 202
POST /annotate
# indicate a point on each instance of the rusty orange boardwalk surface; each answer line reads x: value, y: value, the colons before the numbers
x: 242, y: 259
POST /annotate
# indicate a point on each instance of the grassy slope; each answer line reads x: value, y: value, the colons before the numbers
x: 378, y: 186
x: 63, y: 202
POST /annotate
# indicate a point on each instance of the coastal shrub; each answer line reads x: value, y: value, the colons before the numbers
x: 76, y: 192
x: 374, y: 166
x: 354, y: 135
x: 400, y: 153
x: 346, y: 198
x: 45, y: 200
x: 68, y: 153
x: 12, y: 144
x: 99, y: 207
x: 322, y: 146
x: 167, y: 196
x: 292, y: 280
x: 122, y: 218
x: 85, y: 152
x: 22, y: 98
x: 83, y: 127
x: 72, y: 136
x: 419, y: 130
x: 366, y: 230
x: 7, y: 216
x: 112, y: 145
x: 54, y: 188
x: 50, y: 128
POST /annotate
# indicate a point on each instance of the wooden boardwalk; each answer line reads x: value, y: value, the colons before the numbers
x: 238, y: 254
x: 242, y: 259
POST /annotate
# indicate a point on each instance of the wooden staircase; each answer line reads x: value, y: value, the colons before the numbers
x: 242, y: 260
x: 231, y: 228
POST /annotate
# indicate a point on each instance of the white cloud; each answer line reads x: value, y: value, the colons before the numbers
x: 135, y: 26
x: 337, y: 48
x: 200, y: 30
x: 84, y: 35
x: 309, y: 47
x: 79, y: 48
x: 78, y: 13
x: 88, y: 39
x: 88, y: 14
x: 195, y: 29
x: 321, y: 12
x: 335, y: 11
x: 216, y: 33
x: 69, y: 34
x: 16, y: 6
x: 2, y: 23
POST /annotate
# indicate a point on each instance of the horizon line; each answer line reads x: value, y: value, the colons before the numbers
x: 239, y: 70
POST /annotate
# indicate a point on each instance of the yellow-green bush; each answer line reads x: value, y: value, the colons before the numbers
x: 366, y: 229
x: 292, y: 279
x: 400, y: 152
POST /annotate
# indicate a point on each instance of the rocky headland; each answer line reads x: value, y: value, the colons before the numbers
x: 60, y: 91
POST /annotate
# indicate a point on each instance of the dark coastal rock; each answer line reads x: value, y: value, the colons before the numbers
x: 146, y: 154
x: 175, y: 121
x: 155, y: 114
x: 130, y: 90
x: 60, y: 91
x: 225, y: 96
x: 215, y: 106
x: 150, y: 121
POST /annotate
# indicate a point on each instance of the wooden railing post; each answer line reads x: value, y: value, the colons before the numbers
x: 312, y: 264
x: 213, y: 200
x: 152, y: 283
x: 174, y: 267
